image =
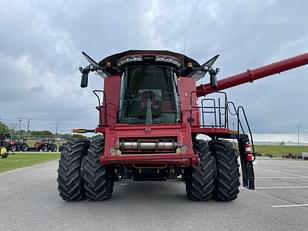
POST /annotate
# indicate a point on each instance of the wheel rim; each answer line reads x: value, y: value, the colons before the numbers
x: 24, y: 148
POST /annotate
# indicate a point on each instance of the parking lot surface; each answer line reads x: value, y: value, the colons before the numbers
x: 29, y: 201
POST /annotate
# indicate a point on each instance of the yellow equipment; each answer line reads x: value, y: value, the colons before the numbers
x: 3, y: 152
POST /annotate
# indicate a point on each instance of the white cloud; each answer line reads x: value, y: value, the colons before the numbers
x: 22, y: 74
x: 41, y: 41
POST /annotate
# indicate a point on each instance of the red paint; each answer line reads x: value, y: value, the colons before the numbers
x: 184, y: 129
x: 112, y: 92
x: 112, y: 135
x: 210, y: 131
x: 185, y: 87
x: 182, y: 160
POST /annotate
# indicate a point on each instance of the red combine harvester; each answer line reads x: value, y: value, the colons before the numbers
x: 151, y: 116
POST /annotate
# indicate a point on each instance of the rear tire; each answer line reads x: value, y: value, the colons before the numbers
x: 70, y: 174
x: 200, y: 179
x: 227, y: 180
x: 45, y: 148
x: 53, y: 148
x: 13, y: 148
x: 24, y: 147
x: 98, y: 178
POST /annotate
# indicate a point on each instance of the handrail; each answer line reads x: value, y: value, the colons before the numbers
x: 241, y: 108
x: 239, y: 123
x: 203, y: 110
x: 101, y: 105
x: 228, y: 105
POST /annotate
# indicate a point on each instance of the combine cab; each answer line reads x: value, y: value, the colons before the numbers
x: 152, y: 117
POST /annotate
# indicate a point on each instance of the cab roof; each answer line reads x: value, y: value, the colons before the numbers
x: 117, y: 59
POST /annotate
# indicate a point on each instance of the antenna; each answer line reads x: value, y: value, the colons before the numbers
x: 90, y: 60
x: 184, y: 51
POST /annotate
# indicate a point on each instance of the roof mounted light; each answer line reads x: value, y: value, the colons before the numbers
x: 129, y: 60
x: 158, y: 58
x: 168, y: 59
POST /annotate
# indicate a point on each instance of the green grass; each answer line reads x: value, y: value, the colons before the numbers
x: 19, y: 160
x: 280, y: 150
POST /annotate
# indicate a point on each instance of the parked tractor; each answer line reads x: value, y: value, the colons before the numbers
x: 45, y: 145
x: 17, y: 145
x: 152, y: 117
x: 12, y: 145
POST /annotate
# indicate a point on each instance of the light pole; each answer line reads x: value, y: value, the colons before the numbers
x: 28, y: 125
x: 298, y: 142
x: 19, y: 131
x: 57, y: 127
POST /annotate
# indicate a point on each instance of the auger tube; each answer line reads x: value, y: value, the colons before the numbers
x: 254, y: 74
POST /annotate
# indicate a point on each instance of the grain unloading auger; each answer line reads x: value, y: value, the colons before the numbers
x: 151, y: 116
x: 255, y: 74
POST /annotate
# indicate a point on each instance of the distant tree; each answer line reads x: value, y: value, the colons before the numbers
x: 66, y: 136
x: 70, y: 136
x: 282, y: 143
x: 44, y: 133
x: 4, y: 128
x: 78, y: 136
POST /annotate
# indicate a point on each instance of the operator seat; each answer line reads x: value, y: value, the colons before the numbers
x: 144, y: 100
x: 145, y: 96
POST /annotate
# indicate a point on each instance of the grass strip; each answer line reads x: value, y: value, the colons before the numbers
x: 18, y: 160
x: 280, y: 150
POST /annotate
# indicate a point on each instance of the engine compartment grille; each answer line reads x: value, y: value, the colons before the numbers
x: 148, y: 145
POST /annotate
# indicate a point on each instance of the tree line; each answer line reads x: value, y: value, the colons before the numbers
x: 4, y: 129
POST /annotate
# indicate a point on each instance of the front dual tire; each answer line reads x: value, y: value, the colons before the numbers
x: 199, y: 179
x: 217, y: 175
x: 98, y: 180
x: 80, y: 175
x: 70, y: 180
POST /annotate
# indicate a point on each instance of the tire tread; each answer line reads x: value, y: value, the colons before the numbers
x: 227, y: 180
x: 200, y: 179
x: 98, y: 179
x: 70, y: 182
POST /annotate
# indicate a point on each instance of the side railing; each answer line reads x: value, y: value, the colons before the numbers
x: 102, y: 108
x: 240, y: 112
x: 216, y: 113
x: 217, y: 110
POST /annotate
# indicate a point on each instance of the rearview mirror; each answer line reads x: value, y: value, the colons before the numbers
x: 213, y: 81
x: 84, y: 80
x: 213, y: 77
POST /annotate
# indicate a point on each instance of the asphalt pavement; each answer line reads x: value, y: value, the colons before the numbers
x: 29, y: 201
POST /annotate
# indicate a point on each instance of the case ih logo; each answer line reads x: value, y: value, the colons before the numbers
x: 147, y: 130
